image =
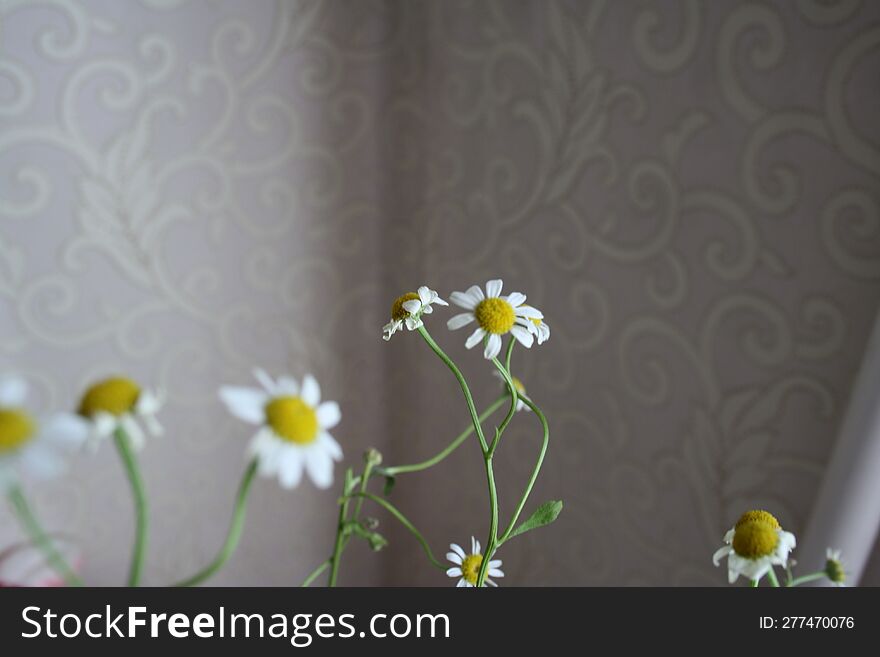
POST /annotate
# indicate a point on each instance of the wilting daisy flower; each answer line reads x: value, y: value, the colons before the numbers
x: 30, y: 447
x: 495, y: 316
x: 834, y: 569
x: 520, y: 390
x: 119, y: 402
x: 467, y: 566
x: 293, y: 430
x: 754, y: 545
x: 539, y: 328
x: 407, y: 310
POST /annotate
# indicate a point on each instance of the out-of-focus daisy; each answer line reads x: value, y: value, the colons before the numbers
x: 520, y: 390
x: 755, y: 544
x: 31, y: 447
x: 834, y: 568
x: 467, y: 565
x: 407, y: 310
x: 495, y: 316
x: 293, y: 431
x: 119, y: 402
x: 539, y: 328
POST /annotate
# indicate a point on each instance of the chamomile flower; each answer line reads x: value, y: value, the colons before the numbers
x: 120, y: 403
x: 539, y: 328
x: 31, y: 447
x: 467, y: 565
x: 407, y: 310
x: 495, y: 316
x: 834, y: 569
x: 520, y: 391
x: 294, y: 424
x: 755, y: 544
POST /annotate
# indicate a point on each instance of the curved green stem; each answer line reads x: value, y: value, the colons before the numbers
x: 315, y: 574
x: 339, y: 544
x: 406, y: 523
x: 812, y: 577
x: 434, y: 460
x: 535, y: 471
x: 754, y: 584
x: 236, y: 528
x: 771, y: 575
x: 514, y: 397
x: 461, y: 382
x: 129, y: 460
x: 39, y: 537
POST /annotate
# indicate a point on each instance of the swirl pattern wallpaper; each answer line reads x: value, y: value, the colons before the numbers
x: 690, y: 191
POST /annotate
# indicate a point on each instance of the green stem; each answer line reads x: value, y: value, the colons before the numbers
x: 340, y: 533
x: 535, y: 471
x: 129, y: 460
x: 461, y: 382
x: 39, y: 537
x: 812, y: 577
x: 235, y: 530
x: 754, y: 584
x: 434, y: 460
x: 772, y: 576
x: 315, y: 574
x: 493, y: 522
x: 406, y: 523
x: 514, y: 396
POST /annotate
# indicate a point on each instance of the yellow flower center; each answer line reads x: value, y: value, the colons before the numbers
x: 292, y: 419
x: 495, y: 315
x: 116, y: 395
x: 520, y: 388
x: 755, y: 539
x: 470, y: 568
x: 759, y: 516
x: 398, y: 312
x: 16, y: 428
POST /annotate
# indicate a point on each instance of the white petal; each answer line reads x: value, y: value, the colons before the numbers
x: 495, y: 563
x: 13, y: 391
x: 330, y: 446
x: 103, y: 424
x: 728, y: 537
x: 290, y: 467
x: 459, y: 320
x: 476, y: 292
x: 154, y: 428
x: 65, y: 430
x: 516, y: 299
x: 525, y: 338
x: 493, y: 288
x: 426, y: 309
x: 454, y: 572
x: 528, y: 312
x: 265, y: 381
x: 133, y: 431
x: 493, y: 346
x: 494, y: 572
x: 320, y: 467
x: 246, y: 404
x: 464, y: 300
x: 491, y: 583
x: 439, y: 301
x: 311, y: 391
x: 412, y: 323
x: 475, y: 338
x: 454, y: 558
x: 462, y: 584
x: 149, y: 402
x: 455, y: 547
x: 425, y: 295
x: 720, y: 554
x: 288, y: 386
x: 328, y: 414
x: 475, y: 545
x: 412, y: 306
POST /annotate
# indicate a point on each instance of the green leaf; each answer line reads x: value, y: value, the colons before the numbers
x: 389, y: 485
x: 543, y: 515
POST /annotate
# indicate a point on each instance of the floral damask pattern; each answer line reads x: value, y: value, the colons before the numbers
x: 688, y: 190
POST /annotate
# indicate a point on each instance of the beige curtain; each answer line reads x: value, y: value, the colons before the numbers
x: 688, y: 190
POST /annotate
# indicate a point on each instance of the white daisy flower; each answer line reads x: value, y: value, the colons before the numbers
x: 755, y: 544
x: 467, y: 565
x: 495, y: 316
x: 520, y: 391
x: 119, y: 402
x: 408, y: 309
x: 539, y: 328
x: 834, y: 568
x: 293, y: 430
x: 32, y: 448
